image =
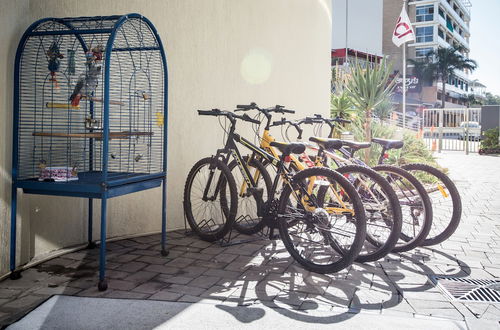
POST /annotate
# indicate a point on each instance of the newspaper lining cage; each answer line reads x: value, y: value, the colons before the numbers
x: 90, y: 113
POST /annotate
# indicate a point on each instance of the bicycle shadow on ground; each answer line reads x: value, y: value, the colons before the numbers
x: 371, y: 287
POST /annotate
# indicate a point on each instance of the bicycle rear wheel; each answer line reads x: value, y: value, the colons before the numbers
x: 210, y: 199
x: 250, y: 204
x: 415, y: 206
x: 322, y: 238
x: 382, y: 210
x: 445, y: 199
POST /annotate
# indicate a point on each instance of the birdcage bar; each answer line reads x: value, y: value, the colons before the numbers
x: 94, y: 124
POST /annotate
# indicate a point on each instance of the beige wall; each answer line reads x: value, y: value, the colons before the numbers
x: 219, y: 53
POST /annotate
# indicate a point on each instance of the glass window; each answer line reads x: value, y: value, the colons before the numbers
x: 425, y: 34
x: 441, y: 33
x: 441, y: 12
x: 424, y: 13
x: 422, y: 52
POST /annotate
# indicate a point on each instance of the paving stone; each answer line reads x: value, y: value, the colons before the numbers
x: 166, y: 295
x: 132, y: 266
x: 185, y: 289
x: 116, y: 274
x: 150, y: 287
x: 123, y: 259
x: 145, y: 252
x: 156, y: 260
x: 180, y: 262
x: 189, y: 299
x: 57, y: 290
x: 218, y: 292
x: 25, y: 302
x: 121, y: 285
x: 192, y: 271
x: 204, y: 281
x: 178, y: 279
x: 163, y: 269
x: 126, y: 295
x: 222, y: 273
x: 141, y: 276
x: 9, y: 293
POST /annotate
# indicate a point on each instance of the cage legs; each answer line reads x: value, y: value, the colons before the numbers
x: 91, y: 244
x: 164, y: 251
x: 103, y: 284
x: 15, y: 274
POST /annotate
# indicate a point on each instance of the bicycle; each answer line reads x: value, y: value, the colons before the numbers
x: 379, y: 200
x: 444, y: 196
x: 322, y: 239
x: 416, y: 207
x: 382, y: 209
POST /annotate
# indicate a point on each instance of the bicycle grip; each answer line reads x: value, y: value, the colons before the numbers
x: 208, y: 112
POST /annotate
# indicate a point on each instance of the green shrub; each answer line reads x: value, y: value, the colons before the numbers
x: 490, y: 140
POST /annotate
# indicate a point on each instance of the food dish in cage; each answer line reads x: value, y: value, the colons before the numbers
x: 58, y: 174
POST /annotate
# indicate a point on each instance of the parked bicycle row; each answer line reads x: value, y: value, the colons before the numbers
x: 329, y: 206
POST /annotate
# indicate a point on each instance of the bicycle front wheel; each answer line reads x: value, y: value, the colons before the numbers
x: 322, y: 237
x: 210, y: 199
x: 445, y: 199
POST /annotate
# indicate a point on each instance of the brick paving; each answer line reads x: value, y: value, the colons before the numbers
x: 262, y: 272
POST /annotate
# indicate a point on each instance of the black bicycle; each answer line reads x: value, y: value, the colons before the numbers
x: 322, y: 238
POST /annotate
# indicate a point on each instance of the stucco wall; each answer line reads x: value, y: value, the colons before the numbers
x: 220, y: 53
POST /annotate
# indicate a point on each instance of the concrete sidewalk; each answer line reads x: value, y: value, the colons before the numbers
x: 68, y: 313
x: 261, y: 276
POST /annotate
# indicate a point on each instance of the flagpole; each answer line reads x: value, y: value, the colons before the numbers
x: 404, y: 78
x: 404, y: 85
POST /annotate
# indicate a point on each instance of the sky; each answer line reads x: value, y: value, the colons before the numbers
x: 485, y: 43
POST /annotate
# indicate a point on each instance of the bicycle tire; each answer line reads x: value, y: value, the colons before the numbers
x: 227, y: 214
x: 395, y: 221
x: 450, y: 225
x: 255, y: 223
x: 406, y: 242
x: 358, y: 222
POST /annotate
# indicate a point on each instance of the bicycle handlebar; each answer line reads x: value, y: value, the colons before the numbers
x: 252, y: 106
x: 330, y: 121
x: 230, y: 115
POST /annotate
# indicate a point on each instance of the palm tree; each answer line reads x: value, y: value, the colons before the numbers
x: 442, y: 63
x: 368, y: 87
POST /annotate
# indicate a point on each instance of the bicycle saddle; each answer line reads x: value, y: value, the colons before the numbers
x: 289, y: 148
x: 389, y: 144
x: 327, y: 144
x: 356, y: 145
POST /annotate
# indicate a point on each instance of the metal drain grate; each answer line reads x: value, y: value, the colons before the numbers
x: 470, y: 290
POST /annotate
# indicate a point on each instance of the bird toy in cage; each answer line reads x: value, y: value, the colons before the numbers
x: 55, y: 57
x: 90, y: 79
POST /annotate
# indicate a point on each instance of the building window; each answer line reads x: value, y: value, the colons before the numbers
x: 425, y: 34
x: 441, y: 12
x: 422, y: 52
x: 441, y: 33
x: 425, y: 13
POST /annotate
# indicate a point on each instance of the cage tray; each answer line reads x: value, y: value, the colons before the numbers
x: 89, y: 184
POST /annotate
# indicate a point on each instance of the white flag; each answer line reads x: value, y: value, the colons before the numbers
x: 403, y: 32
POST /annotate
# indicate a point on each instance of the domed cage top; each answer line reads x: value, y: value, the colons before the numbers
x: 90, y: 108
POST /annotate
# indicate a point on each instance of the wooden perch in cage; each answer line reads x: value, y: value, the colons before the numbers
x: 56, y: 105
x: 98, y: 99
x: 94, y: 135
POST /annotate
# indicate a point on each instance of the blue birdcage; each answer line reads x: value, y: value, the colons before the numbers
x: 90, y: 114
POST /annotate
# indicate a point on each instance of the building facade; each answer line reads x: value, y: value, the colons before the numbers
x: 437, y: 23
